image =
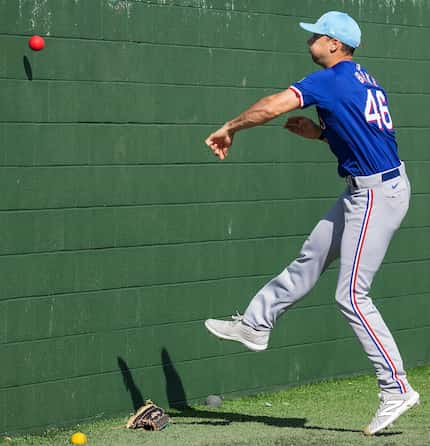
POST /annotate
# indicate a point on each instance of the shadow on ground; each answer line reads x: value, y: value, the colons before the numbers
x: 178, y: 401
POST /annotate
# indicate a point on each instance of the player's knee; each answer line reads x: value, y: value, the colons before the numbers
x: 347, y: 299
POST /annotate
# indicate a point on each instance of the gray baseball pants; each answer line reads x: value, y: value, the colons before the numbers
x: 358, y: 229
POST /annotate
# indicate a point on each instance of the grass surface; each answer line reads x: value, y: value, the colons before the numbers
x: 328, y: 413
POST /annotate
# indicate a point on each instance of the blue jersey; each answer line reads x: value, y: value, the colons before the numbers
x: 354, y: 115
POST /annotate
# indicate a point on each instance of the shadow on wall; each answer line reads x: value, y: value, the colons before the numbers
x: 174, y: 388
x: 136, y: 395
x: 27, y: 68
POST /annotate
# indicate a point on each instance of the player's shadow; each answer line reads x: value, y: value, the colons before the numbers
x: 135, y: 393
x: 177, y: 399
x: 175, y: 391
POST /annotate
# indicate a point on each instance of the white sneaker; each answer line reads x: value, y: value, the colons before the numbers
x: 390, y: 408
x: 236, y: 330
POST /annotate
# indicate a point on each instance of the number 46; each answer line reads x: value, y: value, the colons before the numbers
x: 377, y: 110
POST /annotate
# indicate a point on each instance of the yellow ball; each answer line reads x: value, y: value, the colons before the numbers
x: 78, y: 438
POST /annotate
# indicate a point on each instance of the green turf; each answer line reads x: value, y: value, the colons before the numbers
x: 328, y: 413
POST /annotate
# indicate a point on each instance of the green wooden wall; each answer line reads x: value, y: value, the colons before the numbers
x: 120, y: 233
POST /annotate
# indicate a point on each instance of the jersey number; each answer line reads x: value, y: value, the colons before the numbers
x: 377, y: 110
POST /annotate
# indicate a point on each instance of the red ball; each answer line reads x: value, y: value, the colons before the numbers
x: 36, y: 43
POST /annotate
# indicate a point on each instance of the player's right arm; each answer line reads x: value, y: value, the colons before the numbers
x: 261, y: 112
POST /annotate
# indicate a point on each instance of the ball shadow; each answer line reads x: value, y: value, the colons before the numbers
x: 27, y: 68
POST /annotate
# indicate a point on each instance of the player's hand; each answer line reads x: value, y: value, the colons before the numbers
x: 302, y: 126
x: 219, y: 142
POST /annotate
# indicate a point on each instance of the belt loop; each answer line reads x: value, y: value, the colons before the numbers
x: 351, y: 181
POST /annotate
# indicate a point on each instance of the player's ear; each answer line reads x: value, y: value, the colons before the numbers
x: 335, y: 45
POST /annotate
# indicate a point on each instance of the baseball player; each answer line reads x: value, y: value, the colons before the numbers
x: 355, y: 121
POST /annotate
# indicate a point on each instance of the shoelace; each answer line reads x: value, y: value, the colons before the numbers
x: 238, y: 317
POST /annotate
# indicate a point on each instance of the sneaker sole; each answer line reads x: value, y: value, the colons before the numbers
x: 247, y: 344
x: 413, y: 402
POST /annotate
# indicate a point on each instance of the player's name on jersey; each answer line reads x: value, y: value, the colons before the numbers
x: 364, y: 77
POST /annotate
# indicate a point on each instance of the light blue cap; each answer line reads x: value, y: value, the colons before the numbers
x: 337, y: 25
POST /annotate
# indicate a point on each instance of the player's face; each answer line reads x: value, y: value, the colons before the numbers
x: 319, y: 47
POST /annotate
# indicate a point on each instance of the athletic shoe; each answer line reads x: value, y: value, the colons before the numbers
x: 236, y: 330
x: 390, y: 408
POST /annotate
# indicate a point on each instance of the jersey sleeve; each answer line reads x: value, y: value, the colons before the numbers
x: 316, y: 89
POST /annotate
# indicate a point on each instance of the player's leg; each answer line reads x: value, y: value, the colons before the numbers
x: 300, y: 276
x: 372, y: 216
x: 318, y: 251
x: 367, y: 234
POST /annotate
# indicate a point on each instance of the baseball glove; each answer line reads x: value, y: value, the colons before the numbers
x: 149, y: 417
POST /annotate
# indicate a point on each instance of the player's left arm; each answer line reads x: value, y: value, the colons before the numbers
x: 305, y: 127
x: 262, y: 111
